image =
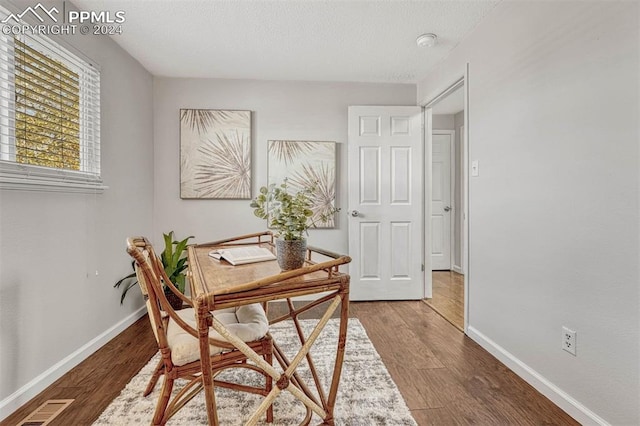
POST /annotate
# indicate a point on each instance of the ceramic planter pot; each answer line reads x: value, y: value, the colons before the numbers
x: 290, y: 253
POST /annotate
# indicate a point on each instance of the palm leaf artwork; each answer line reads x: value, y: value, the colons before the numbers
x: 199, y: 120
x: 289, y: 151
x: 307, y: 165
x: 215, y: 154
x: 224, y: 170
x: 322, y: 179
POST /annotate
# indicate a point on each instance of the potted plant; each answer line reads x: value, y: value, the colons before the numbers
x: 174, y: 263
x: 290, y: 215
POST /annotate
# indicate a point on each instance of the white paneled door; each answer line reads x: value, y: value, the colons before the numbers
x: 385, y: 202
x: 441, y: 210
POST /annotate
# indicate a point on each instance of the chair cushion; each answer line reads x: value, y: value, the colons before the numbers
x: 248, y: 322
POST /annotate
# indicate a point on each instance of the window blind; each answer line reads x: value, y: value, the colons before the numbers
x: 49, y: 113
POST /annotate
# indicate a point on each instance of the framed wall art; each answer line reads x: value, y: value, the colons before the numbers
x: 306, y: 164
x: 215, y: 154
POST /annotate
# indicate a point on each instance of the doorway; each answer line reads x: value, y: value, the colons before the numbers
x: 446, y: 117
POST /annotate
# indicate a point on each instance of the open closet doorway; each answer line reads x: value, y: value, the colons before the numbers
x: 447, y: 212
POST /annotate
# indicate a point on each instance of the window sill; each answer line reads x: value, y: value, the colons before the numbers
x: 22, y: 177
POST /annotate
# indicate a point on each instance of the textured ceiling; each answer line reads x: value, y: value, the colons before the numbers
x: 367, y: 41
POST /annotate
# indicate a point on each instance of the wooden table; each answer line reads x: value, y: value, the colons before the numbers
x: 217, y: 285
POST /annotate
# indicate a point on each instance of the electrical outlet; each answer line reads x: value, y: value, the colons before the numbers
x: 569, y: 340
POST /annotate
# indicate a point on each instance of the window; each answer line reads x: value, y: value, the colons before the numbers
x: 49, y: 116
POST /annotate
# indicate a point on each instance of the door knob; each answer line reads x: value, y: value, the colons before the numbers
x: 355, y: 213
x: 447, y: 208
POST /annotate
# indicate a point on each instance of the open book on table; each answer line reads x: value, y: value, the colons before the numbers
x: 242, y: 255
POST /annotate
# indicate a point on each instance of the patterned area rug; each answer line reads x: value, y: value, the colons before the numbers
x: 367, y: 394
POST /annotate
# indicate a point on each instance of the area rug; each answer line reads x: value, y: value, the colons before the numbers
x: 367, y: 394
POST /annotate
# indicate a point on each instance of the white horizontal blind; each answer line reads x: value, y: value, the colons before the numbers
x: 47, y: 109
x: 7, y: 97
x: 49, y: 114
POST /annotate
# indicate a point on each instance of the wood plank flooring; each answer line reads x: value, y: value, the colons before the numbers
x: 96, y: 381
x: 444, y: 377
x: 448, y: 296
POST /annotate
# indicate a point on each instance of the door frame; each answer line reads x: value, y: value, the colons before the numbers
x: 452, y: 180
x: 427, y: 103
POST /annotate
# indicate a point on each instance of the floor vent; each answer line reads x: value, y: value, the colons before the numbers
x: 46, y: 412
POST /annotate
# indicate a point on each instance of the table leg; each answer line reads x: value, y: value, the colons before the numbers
x: 204, y: 319
x: 283, y: 380
x: 310, y: 362
x: 337, y: 369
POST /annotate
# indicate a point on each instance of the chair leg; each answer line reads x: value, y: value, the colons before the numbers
x: 268, y: 386
x: 163, y: 401
x: 154, y: 378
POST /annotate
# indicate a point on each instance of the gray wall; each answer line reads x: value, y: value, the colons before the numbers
x: 554, y: 215
x: 442, y: 121
x: 280, y: 110
x: 51, y: 244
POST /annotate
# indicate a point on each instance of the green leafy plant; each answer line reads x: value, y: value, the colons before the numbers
x: 289, y: 214
x: 173, y: 261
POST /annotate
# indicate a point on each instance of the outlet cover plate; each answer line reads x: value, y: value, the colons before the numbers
x: 569, y: 340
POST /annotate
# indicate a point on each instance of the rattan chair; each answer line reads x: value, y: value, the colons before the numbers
x: 177, y: 336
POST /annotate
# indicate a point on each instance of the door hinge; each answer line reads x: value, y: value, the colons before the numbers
x: 423, y: 267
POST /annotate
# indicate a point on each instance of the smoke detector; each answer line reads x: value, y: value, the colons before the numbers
x: 427, y: 40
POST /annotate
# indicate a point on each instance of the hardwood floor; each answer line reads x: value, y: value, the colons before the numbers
x: 448, y: 296
x: 444, y: 377
x: 96, y: 381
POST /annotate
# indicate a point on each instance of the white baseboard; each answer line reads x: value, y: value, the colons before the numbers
x: 559, y: 397
x: 458, y: 269
x: 41, y: 382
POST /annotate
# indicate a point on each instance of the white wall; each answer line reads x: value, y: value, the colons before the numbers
x: 442, y: 121
x: 51, y: 244
x: 554, y: 215
x: 280, y: 110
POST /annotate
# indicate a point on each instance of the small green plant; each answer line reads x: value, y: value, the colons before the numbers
x: 289, y: 214
x: 173, y: 261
